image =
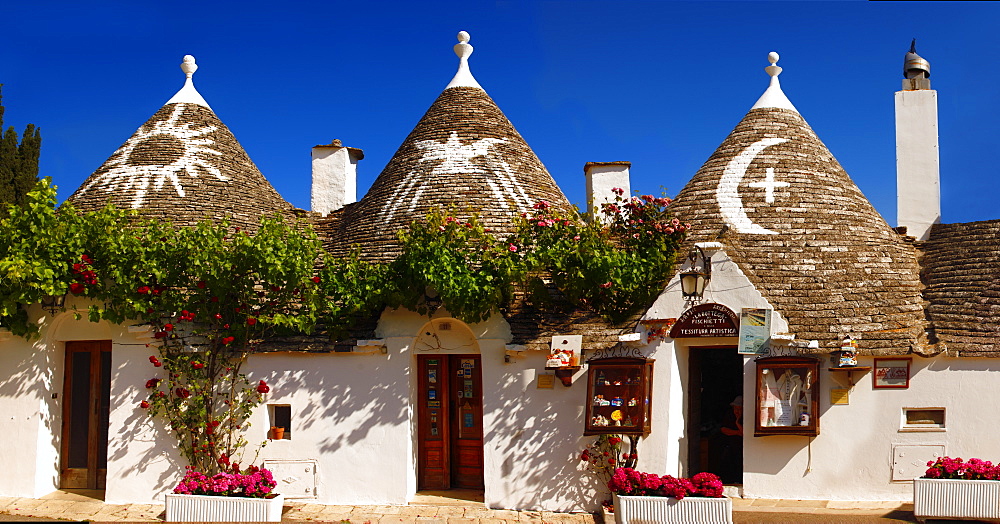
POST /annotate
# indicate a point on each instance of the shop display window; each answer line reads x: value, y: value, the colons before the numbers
x: 787, y: 396
x: 619, y: 396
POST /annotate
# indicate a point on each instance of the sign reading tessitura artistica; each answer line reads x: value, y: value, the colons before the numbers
x: 706, y: 320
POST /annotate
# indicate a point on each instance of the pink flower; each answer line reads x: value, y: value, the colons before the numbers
x: 512, y: 248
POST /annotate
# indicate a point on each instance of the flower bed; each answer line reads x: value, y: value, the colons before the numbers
x: 955, y: 489
x: 646, y: 497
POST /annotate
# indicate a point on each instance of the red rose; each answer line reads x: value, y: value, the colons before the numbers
x: 263, y: 387
x: 160, y: 334
x: 151, y: 383
x: 77, y: 288
x: 85, y: 258
x: 251, y: 321
x: 197, y: 365
x: 143, y: 290
x: 154, y: 361
x: 168, y: 327
x: 218, y: 316
x: 201, y: 284
x: 144, y: 405
x: 214, y: 299
x: 182, y: 393
x: 315, y: 279
x: 228, y: 340
x: 614, y: 440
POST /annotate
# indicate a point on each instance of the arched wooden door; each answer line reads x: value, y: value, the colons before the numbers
x: 450, y: 422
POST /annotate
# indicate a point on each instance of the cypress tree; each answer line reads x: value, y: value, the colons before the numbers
x: 18, y: 162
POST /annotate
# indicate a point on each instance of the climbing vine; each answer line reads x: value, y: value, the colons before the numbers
x: 211, y: 294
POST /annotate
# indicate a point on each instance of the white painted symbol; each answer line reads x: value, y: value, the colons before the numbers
x: 455, y: 158
x: 182, y: 151
x: 769, y: 184
x: 728, y: 195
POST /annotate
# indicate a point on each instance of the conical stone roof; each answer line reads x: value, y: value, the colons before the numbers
x: 804, y: 234
x: 465, y: 155
x: 183, y: 165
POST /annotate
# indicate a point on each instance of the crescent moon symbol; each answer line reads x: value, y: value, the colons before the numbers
x: 728, y: 195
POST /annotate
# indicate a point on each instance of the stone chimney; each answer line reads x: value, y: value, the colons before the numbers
x: 334, y: 176
x: 918, y: 181
x: 602, y: 178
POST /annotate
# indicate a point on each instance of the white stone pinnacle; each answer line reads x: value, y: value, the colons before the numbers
x: 463, y: 78
x: 188, y: 94
x: 774, y: 96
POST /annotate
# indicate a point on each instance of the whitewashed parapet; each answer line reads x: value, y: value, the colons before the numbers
x: 141, y: 331
x: 514, y: 351
x: 633, y: 339
x: 370, y: 346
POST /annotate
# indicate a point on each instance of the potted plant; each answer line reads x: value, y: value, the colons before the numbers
x: 956, y: 489
x: 646, y: 497
x: 233, y: 495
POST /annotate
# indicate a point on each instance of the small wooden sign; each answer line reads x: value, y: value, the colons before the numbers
x: 545, y: 381
x: 840, y: 396
x: 706, y: 320
x: 891, y: 373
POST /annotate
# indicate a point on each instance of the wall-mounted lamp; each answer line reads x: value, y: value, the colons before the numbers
x: 694, y: 280
x: 432, y: 303
x: 53, y: 303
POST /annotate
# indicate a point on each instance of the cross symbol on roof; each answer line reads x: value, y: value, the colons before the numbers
x: 769, y: 184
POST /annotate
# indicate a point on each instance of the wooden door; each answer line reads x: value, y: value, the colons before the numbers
x: 466, y: 422
x: 449, y: 422
x: 86, y: 407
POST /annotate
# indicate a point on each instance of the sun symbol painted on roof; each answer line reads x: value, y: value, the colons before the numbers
x: 159, y: 154
x: 455, y: 158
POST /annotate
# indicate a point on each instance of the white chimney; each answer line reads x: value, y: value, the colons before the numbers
x: 918, y: 180
x: 334, y: 176
x: 602, y: 179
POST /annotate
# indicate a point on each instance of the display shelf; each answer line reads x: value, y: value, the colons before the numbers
x: 618, y: 396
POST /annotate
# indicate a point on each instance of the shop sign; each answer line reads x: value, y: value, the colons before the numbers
x: 755, y: 331
x: 706, y: 320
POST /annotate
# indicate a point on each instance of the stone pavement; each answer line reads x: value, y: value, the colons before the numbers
x: 76, y: 506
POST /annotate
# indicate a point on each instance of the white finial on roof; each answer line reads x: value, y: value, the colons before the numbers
x: 463, y: 78
x: 773, y: 96
x: 188, y: 94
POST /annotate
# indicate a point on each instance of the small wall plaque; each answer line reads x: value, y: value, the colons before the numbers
x: 891, y: 373
x: 545, y: 381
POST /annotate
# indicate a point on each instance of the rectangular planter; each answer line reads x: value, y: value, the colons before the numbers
x: 668, y: 510
x: 205, y: 508
x: 956, y: 499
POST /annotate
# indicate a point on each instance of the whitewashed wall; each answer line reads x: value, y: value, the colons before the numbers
x: 852, y: 458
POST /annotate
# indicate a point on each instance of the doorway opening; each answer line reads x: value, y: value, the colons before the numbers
x: 86, y: 406
x: 449, y: 422
x: 714, y: 406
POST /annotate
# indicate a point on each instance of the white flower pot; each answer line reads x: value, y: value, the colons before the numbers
x: 956, y: 499
x: 206, y: 508
x: 668, y: 510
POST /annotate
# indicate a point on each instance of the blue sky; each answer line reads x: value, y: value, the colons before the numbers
x: 659, y: 84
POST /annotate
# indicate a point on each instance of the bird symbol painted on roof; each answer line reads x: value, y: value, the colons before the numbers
x: 455, y: 158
